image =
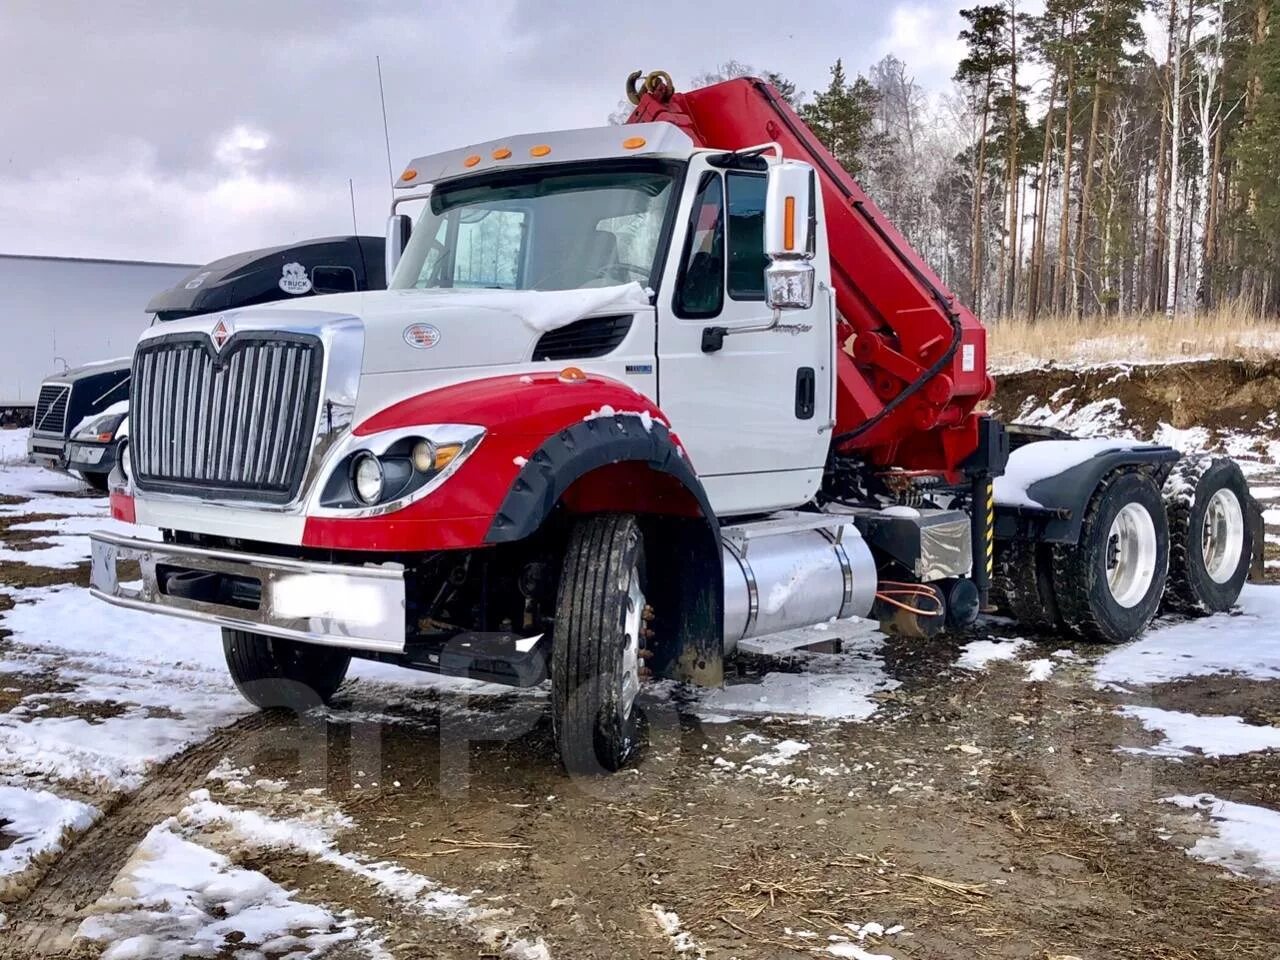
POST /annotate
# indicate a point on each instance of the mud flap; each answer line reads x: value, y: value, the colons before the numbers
x: 1258, y: 529
x: 686, y: 590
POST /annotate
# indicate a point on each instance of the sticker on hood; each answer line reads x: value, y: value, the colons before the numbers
x: 294, y: 279
x: 421, y: 336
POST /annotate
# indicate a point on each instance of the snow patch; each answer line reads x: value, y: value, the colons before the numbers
x: 118, y: 408
x: 70, y: 547
x: 1185, y: 733
x: 646, y: 418
x: 175, y: 899
x: 1098, y: 418
x: 1038, y: 671
x: 1245, y: 838
x: 681, y: 940
x: 782, y: 753
x: 829, y: 687
x: 316, y: 838
x: 854, y: 952
x: 34, y: 824
x: 979, y: 654
x: 1030, y: 464
x: 1245, y: 643
x: 545, y: 310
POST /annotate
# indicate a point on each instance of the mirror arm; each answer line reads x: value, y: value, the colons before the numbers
x: 713, y: 337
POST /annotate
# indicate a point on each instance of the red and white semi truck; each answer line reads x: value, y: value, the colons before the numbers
x: 633, y: 395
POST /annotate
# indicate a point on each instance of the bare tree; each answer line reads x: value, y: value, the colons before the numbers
x: 1177, y: 211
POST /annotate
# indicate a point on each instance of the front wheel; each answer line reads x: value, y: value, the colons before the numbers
x: 598, y: 645
x: 272, y: 673
x: 1108, y: 585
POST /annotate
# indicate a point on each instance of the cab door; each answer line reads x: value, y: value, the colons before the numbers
x: 753, y: 407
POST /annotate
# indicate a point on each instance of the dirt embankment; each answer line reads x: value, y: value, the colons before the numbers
x: 1226, y: 396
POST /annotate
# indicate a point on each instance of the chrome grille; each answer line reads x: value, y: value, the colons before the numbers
x: 238, y: 423
x: 51, y: 409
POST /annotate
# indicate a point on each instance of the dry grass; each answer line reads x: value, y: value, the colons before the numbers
x: 1231, y: 331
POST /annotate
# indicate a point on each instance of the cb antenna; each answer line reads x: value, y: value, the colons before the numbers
x: 386, y: 135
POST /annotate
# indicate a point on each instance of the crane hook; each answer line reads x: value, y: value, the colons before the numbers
x: 657, y: 84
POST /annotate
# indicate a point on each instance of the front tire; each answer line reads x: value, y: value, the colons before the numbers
x: 1211, y: 542
x: 273, y: 674
x: 597, y: 649
x: 1109, y: 584
x: 98, y: 481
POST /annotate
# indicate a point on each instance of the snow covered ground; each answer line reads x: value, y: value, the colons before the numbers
x: 106, y: 695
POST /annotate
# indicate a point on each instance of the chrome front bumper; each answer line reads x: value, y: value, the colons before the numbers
x: 342, y: 606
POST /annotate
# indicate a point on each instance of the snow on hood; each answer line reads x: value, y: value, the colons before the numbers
x: 545, y: 310
x: 119, y: 407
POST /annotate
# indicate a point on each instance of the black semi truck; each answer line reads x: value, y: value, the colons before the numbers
x: 79, y: 412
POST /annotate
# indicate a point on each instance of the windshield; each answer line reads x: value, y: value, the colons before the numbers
x: 541, y: 230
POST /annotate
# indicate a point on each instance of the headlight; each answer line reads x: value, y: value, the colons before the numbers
x: 424, y: 456
x: 388, y: 470
x: 366, y: 478
x: 101, y: 428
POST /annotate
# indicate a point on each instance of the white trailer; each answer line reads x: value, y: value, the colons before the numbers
x: 62, y: 312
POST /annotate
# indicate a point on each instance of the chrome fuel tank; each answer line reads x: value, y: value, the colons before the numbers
x: 793, y: 570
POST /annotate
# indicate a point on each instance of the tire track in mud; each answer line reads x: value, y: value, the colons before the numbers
x: 45, y: 921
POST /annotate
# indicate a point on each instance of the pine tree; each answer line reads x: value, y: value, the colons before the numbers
x: 980, y: 73
x: 841, y: 117
x: 1256, y: 153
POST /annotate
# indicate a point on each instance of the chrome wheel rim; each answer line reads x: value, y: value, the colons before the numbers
x: 1131, y: 555
x: 632, y: 624
x: 1222, y: 536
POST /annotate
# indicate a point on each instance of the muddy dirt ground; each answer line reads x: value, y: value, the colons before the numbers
x: 982, y: 813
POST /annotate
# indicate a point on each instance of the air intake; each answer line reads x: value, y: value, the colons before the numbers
x: 592, y: 337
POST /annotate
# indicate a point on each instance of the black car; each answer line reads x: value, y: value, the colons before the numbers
x: 79, y: 413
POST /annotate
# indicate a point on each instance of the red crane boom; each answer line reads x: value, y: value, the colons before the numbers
x: 914, y: 364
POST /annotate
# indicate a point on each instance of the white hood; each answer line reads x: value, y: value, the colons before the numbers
x: 465, y: 327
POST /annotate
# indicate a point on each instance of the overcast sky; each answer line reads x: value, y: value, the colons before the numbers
x: 184, y: 131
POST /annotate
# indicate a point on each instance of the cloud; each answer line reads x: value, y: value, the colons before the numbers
x: 926, y: 39
x: 239, y: 147
x: 186, y: 130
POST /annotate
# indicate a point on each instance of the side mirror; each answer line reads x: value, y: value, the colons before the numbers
x: 333, y: 279
x: 790, y: 234
x: 399, y: 227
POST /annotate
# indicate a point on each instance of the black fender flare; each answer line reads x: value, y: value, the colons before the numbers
x: 694, y: 585
x: 1065, y: 496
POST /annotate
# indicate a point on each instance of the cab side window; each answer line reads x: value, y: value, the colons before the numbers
x: 746, y: 236
x: 700, y: 290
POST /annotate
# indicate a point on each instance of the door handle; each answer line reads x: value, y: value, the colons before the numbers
x: 806, y: 385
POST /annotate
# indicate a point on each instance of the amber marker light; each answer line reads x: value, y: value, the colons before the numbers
x: 446, y: 454
x: 633, y: 143
x: 789, y: 223
x: 472, y: 160
x: 572, y: 375
x: 409, y: 175
x: 541, y: 150
x: 501, y: 153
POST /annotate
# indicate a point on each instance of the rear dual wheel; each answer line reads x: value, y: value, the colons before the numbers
x: 1212, y: 541
x: 1108, y: 585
